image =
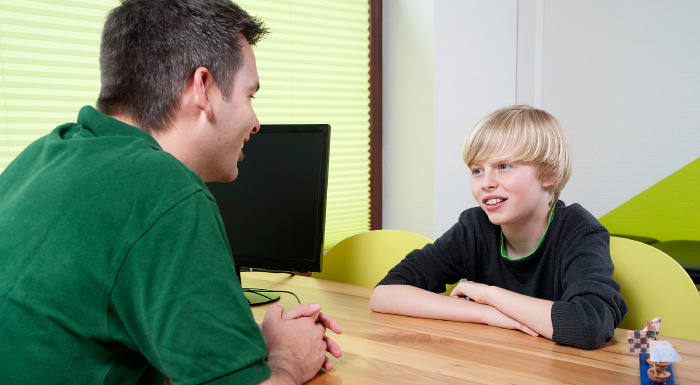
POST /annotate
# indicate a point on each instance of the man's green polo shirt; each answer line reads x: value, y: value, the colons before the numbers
x: 114, y: 265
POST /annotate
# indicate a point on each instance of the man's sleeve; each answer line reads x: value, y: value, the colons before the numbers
x: 178, y: 299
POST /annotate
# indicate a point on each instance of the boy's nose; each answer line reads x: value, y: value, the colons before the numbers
x: 488, y: 182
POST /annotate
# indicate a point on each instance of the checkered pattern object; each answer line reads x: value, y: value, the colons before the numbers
x: 638, y: 340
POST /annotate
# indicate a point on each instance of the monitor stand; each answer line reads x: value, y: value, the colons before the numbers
x: 257, y: 296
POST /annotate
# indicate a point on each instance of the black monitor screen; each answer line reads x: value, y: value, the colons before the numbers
x: 274, y: 211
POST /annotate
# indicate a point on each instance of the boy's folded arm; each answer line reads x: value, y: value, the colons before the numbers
x: 534, y: 312
x: 412, y: 301
x: 588, y: 313
x: 416, y: 302
x: 591, y: 306
x: 584, y: 322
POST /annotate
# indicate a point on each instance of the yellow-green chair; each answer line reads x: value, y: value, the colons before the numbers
x: 655, y: 285
x: 364, y: 259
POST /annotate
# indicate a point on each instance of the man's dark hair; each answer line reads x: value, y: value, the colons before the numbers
x: 151, y: 48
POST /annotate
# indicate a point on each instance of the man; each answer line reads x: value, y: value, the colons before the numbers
x: 114, y: 265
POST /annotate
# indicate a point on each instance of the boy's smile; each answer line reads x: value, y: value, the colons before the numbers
x: 491, y: 203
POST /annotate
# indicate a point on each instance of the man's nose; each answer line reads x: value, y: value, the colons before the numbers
x: 256, y: 126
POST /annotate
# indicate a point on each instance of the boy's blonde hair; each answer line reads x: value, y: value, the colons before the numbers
x: 525, y: 135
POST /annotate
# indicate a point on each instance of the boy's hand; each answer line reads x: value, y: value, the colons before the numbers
x: 478, y: 292
x: 472, y: 290
x: 494, y: 317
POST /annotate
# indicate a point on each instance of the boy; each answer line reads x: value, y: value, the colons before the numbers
x: 531, y: 263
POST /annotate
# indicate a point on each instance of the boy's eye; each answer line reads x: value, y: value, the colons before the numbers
x: 476, y: 171
x: 503, y: 166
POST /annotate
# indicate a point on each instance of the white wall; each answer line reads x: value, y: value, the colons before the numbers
x: 408, y: 113
x: 622, y: 77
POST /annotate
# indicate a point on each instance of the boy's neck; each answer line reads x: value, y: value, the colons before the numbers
x: 522, y: 239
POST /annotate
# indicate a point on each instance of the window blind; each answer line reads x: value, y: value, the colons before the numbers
x: 314, y: 68
x: 48, y: 67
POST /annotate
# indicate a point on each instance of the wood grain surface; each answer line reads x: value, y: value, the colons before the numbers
x: 390, y: 349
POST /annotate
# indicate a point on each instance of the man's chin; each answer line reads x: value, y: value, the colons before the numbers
x: 233, y: 175
x: 230, y: 176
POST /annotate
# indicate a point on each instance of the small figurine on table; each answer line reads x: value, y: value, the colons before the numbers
x: 661, y: 356
x: 639, y: 340
x: 654, y: 354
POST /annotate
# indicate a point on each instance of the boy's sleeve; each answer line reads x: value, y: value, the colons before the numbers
x: 179, y: 302
x: 435, y: 265
x: 591, y: 306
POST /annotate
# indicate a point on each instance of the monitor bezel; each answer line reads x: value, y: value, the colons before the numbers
x: 314, y: 264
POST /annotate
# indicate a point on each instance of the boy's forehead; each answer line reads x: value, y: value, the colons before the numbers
x: 491, y: 153
x: 502, y: 156
x: 493, y: 160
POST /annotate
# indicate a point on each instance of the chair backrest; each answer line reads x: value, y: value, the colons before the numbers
x: 655, y: 285
x: 364, y: 259
x: 686, y: 253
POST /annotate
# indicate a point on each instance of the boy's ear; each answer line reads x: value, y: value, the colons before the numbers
x: 547, y: 184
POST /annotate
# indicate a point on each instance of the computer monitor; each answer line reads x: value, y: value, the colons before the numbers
x: 274, y: 212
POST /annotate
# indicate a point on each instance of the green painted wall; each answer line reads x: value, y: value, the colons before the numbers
x: 666, y: 211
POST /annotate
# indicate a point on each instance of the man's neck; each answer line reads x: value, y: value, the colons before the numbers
x: 127, y: 120
x: 171, y: 140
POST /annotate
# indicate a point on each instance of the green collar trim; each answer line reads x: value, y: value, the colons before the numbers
x: 104, y: 125
x: 504, y: 254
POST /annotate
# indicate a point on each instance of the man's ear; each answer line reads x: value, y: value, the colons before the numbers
x: 202, y: 81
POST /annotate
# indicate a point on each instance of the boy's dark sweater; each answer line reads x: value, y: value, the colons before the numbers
x: 571, y: 267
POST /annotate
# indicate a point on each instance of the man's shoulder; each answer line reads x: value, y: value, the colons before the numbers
x: 160, y: 173
x: 131, y: 171
x: 164, y: 167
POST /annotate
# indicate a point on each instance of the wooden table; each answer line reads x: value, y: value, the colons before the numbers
x: 391, y: 349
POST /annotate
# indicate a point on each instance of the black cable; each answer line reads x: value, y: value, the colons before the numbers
x: 260, y: 291
x: 252, y: 270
